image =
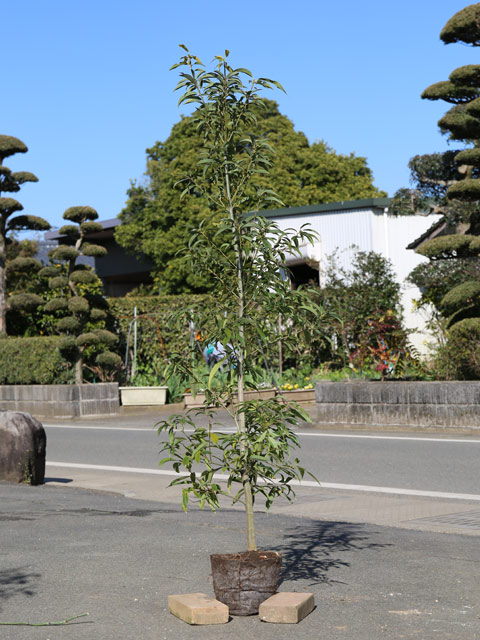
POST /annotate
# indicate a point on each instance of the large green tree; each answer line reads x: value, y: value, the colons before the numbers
x: 11, y: 182
x: 157, y: 221
x: 449, y: 183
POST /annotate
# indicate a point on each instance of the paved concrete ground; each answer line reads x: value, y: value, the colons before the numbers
x: 116, y: 545
x: 406, y: 512
x: 67, y: 551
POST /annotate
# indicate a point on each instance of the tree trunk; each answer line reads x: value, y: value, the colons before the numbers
x: 79, y: 370
x: 248, y: 496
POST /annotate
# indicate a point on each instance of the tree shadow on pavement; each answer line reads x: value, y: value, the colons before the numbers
x: 310, y: 552
x: 14, y: 582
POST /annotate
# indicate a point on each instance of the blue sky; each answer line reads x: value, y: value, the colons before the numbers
x: 87, y: 86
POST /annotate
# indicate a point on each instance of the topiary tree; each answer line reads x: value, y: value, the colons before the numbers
x: 461, y: 123
x: 449, y: 183
x: 77, y: 299
x: 11, y: 182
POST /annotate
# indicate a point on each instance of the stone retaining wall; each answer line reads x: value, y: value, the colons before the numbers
x: 61, y: 400
x: 423, y: 404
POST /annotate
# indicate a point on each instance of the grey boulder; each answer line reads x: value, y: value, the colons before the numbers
x: 23, y: 444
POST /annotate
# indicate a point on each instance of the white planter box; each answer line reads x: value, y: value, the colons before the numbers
x: 143, y: 395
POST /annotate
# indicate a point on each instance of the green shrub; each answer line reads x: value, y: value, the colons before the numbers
x: 56, y: 304
x: 109, y: 359
x: 33, y: 361
x: 356, y: 298
x: 77, y: 304
x: 459, y: 358
x: 58, y: 282
x: 25, y: 301
x: 83, y: 277
x: 68, y: 324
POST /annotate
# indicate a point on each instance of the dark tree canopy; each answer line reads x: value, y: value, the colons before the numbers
x: 157, y: 221
x: 9, y: 146
x: 450, y: 92
x: 463, y: 27
x: 467, y: 76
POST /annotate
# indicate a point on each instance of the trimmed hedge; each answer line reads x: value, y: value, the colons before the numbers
x: 34, y: 361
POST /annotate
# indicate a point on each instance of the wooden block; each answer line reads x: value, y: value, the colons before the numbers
x: 198, y: 608
x: 286, y: 607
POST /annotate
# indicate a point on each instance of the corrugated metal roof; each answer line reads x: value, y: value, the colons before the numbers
x: 347, y: 205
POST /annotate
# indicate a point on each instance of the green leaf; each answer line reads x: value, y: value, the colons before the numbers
x: 245, y: 71
x: 214, y: 371
x: 185, y: 499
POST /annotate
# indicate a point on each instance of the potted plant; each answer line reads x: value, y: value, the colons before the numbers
x: 243, y: 253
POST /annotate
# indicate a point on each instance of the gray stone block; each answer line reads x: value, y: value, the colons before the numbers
x: 389, y: 414
x: 5, y: 394
x: 327, y: 414
x: 35, y: 393
x: 462, y: 393
x: 333, y: 392
x: 359, y: 414
x: 423, y: 415
x: 428, y: 404
x: 63, y: 409
x: 387, y: 392
x: 426, y: 393
x: 361, y: 392
x: 457, y: 415
x: 61, y: 400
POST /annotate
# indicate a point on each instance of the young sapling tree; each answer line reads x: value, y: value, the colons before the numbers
x: 243, y: 252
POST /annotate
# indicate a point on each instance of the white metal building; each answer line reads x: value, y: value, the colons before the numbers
x: 368, y: 225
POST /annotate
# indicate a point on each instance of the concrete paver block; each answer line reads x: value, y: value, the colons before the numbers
x: 198, y: 608
x: 286, y: 607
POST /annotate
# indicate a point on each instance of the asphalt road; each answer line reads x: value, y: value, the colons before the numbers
x: 422, y: 463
